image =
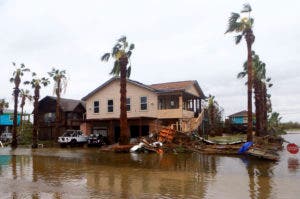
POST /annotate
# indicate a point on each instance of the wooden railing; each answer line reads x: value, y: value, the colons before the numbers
x: 193, y: 124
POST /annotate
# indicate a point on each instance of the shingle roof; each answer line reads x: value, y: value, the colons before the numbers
x: 172, y: 86
x: 67, y: 104
x: 177, y: 86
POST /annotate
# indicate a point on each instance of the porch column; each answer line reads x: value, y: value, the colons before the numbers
x: 180, y: 102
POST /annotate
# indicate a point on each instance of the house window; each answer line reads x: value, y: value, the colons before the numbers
x: 49, y: 117
x: 143, y: 103
x: 96, y: 106
x: 11, y: 117
x: 110, y: 106
x: 128, y: 104
x: 161, y: 103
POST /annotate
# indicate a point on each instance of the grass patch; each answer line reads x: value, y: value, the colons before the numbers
x: 229, y: 138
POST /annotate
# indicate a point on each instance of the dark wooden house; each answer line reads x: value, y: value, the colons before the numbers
x: 72, y: 114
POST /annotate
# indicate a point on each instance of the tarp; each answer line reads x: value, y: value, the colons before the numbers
x: 245, y: 147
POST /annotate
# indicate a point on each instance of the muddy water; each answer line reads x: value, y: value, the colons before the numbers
x: 89, y: 173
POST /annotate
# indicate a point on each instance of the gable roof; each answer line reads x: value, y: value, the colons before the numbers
x: 157, y: 88
x: 66, y: 104
x: 114, y: 79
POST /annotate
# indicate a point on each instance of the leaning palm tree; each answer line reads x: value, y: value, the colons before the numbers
x: 24, y: 95
x: 60, y: 83
x: 244, y: 26
x: 121, y: 53
x: 16, y: 79
x: 3, y: 105
x: 36, y: 84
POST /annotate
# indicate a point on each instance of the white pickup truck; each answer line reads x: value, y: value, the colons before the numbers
x: 72, y: 138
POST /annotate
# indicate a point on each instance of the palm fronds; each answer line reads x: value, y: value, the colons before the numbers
x: 120, y: 50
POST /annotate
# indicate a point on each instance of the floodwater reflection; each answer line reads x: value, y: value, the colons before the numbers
x: 89, y: 173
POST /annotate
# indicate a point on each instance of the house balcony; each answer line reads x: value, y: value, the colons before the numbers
x: 174, y: 113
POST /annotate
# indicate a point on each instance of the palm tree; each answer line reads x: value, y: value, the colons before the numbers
x: 16, y: 79
x: 266, y: 103
x: 262, y: 98
x: 24, y: 95
x: 121, y: 53
x: 211, y: 112
x: 258, y: 76
x: 3, y: 105
x: 60, y: 83
x: 243, y: 26
x: 36, y: 84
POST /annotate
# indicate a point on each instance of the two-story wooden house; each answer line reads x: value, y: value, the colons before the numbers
x: 148, y: 106
x: 71, y: 116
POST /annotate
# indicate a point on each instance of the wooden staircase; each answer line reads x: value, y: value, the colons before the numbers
x: 193, y: 123
x: 166, y: 134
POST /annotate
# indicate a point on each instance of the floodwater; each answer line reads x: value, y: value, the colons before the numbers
x: 88, y: 173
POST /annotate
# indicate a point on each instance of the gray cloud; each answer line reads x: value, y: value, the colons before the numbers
x: 175, y: 40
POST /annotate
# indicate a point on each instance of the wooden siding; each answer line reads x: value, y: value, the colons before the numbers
x: 112, y: 91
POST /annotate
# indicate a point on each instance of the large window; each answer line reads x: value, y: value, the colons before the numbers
x: 110, y: 106
x: 143, y: 103
x: 128, y: 104
x: 168, y: 102
x: 49, y: 117
x: 96, y: 106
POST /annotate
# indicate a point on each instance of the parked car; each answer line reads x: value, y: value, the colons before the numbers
x: 72, y: 138
x: 6, y: 137
x: 96, y: 140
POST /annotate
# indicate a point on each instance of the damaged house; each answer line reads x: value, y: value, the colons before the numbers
x: 148, y: 106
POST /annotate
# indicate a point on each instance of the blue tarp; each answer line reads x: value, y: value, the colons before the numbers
x: 245, y: 147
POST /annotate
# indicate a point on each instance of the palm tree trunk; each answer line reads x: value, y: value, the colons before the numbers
x: 22, y: 112
x: 14, y: 143
x: 265, y: 109
x: 258, y: 109
x: 249, y: 40
x: 57, y: 112
x: 124, y: 134
x: 36, y: 117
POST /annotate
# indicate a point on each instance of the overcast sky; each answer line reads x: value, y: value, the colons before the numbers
x: 175, y: 40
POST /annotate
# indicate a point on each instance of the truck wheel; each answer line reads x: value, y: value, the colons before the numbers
x: 73, y: 142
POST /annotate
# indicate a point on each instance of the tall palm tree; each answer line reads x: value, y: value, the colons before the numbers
x: 24, y: 95
x: 16, y: 79
x: 3, y: 105
x: 121, y: 53
x: 36, y: 84
x: 244, y: 26
x: 258, y: 76
x: 60, y: 83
